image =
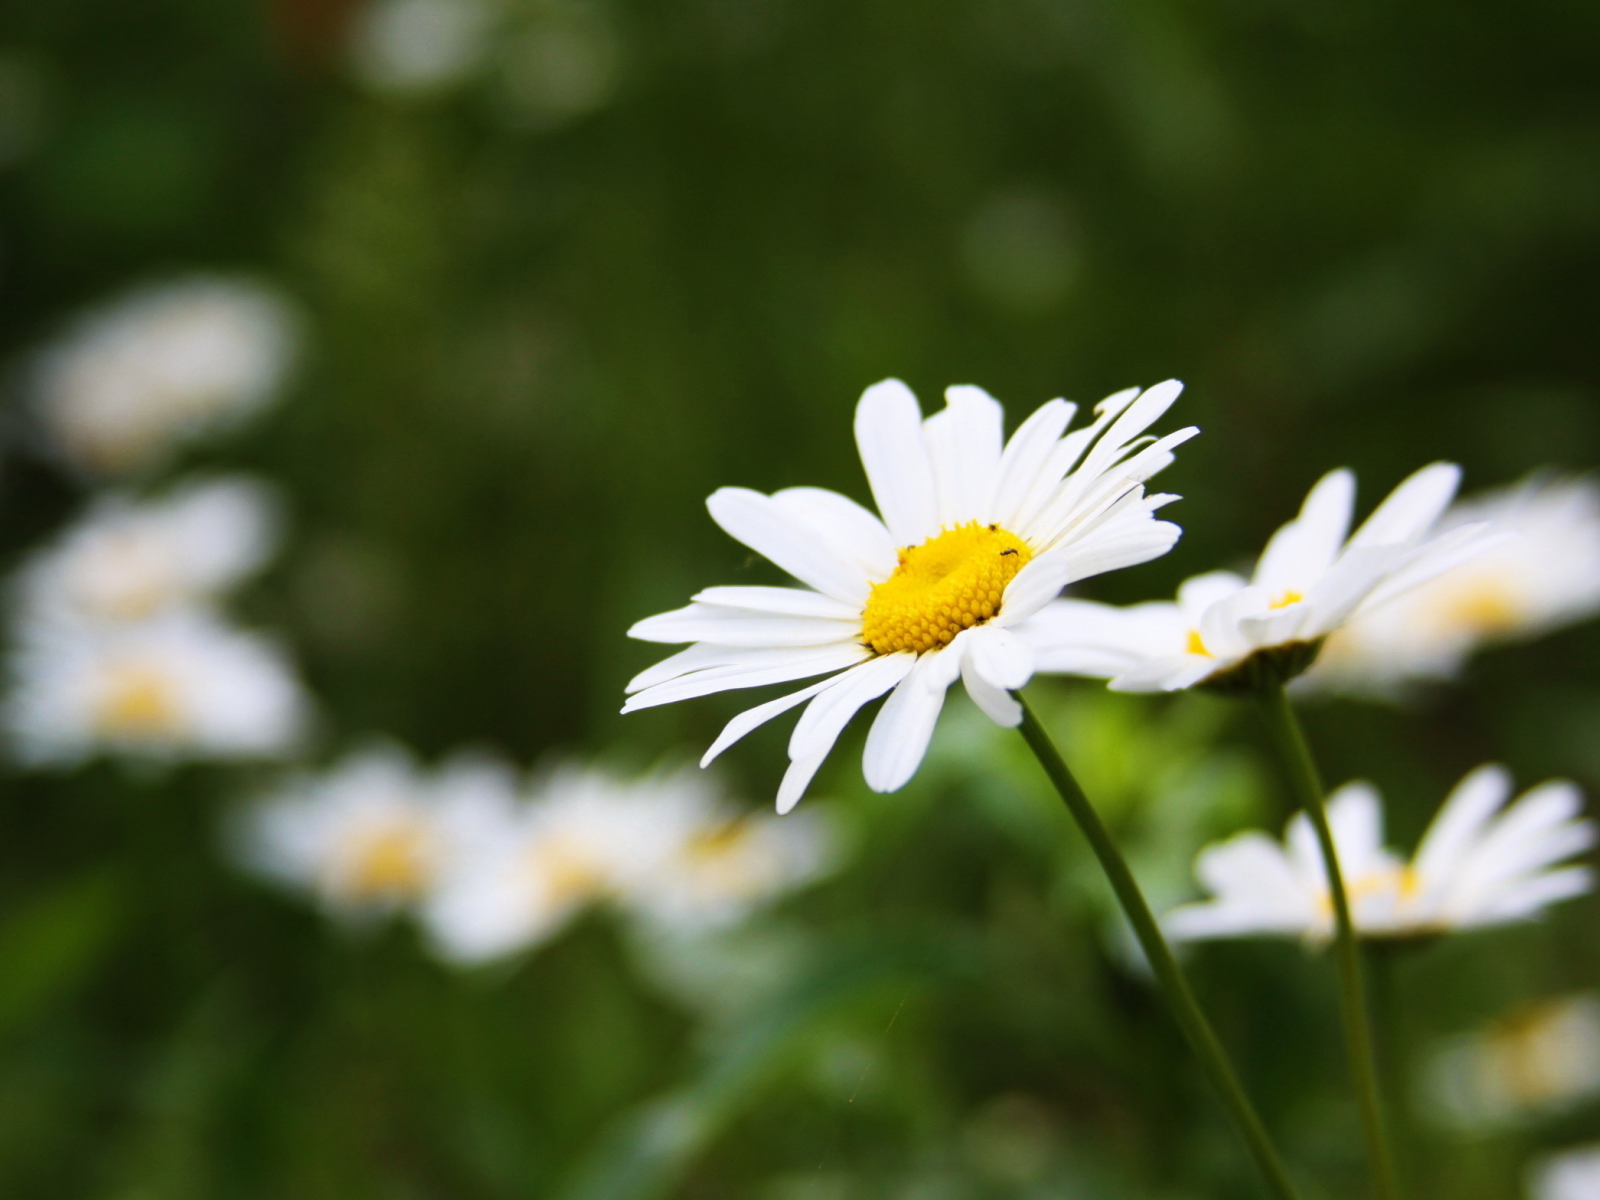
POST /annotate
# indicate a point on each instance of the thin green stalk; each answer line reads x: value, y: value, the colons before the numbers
x: 1302, y: 768
x: 1202, y: 1038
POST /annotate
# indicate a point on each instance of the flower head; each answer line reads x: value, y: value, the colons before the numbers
x: 1546, y: 574
x: 128, y: 560
x: 1572, y: 1175
x: 1309, y: 581
x: 1534, y: 1061
x: 375, y: 833
x: 976, y: 536
x: 1480, y: 863
x: 179, y: 686
x: 160, y: 365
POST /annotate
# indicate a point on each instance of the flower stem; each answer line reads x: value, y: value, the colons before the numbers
x: 1302, y: 768
x: 1202, y: 1038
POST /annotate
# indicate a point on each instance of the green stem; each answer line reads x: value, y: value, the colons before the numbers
x: 1291, y: 742
x: 1207, y: 1047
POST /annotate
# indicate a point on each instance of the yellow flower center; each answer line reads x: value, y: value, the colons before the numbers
x: 951, y: 582
x: 1484, y: 610
x: 570, y: 875
x: 139, y: 701
x: 1196, y: 644
x: 1289, y: 597
x: 391, y: 863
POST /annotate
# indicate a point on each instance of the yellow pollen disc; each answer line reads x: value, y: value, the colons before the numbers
x: 1289, y: 597
x: 139, y: 701
x: 951, y: 582
x: 569, y: 874
x: 392, y: 863
x: 720, y: 841
x: 1196, y: 644
x: 1484, y: 610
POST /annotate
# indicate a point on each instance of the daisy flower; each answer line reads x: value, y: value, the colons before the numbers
x: 1542, y: 577
x: 180, y: 686
x: 158, y: 366
x: 1572, y: 1175
x: 583, y: 836
x: 1533, y: 1062
x: 1309, y: 581
x: 127, y: 560
x: 1480, y: 863
x: 975, y: 537
x: 374, y: 833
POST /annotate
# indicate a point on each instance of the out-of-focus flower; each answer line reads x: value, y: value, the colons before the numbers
x: 419, y: 45
x: 1572, y: 1175
x: 1536, y: 1061
x: 128, y: 560
x: 161, y: 365
x: 375, y: 833
x: 1309, y: 581
x: 562, y: 64
x: 182, y: 685
x: 721, y: 863
x: 1477, y: 865
x: 975, y: 538
x: 1544, y: 576
x: 664, y: 847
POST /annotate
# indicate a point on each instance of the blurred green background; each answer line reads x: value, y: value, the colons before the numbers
x: 628, y: 253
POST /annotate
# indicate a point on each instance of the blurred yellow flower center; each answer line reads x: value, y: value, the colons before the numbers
x: 1485, y: 609
x: 718, y: 841
x: 139, y: 700
x: 392, y: 862
x: 1289, y: 597
x: 951, y: 582
x: 1196, y: 644
x: 569, y: 874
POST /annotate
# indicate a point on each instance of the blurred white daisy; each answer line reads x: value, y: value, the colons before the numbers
x: 180, y: 686
x: 419, y: 45
x: 1533, y: 1062
x: 1572, y: 1175
x: 128, y: 560
x: 584, y: 836
x: 721, y: 863
x: 975, y: 538
x: 161, y: 365
x: 375, y: 833
x: 1544, y: 576
x: 1309, y: 581
x: 1480, y: 863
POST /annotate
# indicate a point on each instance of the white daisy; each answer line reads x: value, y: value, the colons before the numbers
x: 375, y: 833
x: 1534, y: 1062
x: 127, y: 559
x: 721, y: 863
x: 975, y: 538
x: 160, y: 365
x: 180, y: 686
x: 1480, y: 863
x: 1310, y: 581
x: 1544, y: 576
x: 1572, y: 1175
x: 584, y: 836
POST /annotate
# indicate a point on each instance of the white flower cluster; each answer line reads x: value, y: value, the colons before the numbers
x: 120, y: 644
x: 492, y: 866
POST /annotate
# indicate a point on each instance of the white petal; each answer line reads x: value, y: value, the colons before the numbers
x: 996, y: 703
x: 741, y: 627
x: 761, y: 668
x: 904, y: 726
x: 895, y: 456
x: 1303, y: 549
x: 999, y: 656
x: 1411, y: 509
x: 843, y: 524
x: 781, y: 601
x: 1347, y: 586
x: 1461, y: 819
x: 819, y: 727
x: 1200, y: 592
x: 1025, y: 456
x: 754, y: 718
x: 768, y: 528
x: 964, y: 447
x: 1080, y: 637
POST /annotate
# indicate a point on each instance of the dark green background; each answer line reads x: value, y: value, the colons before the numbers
x: 1364, y: 234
